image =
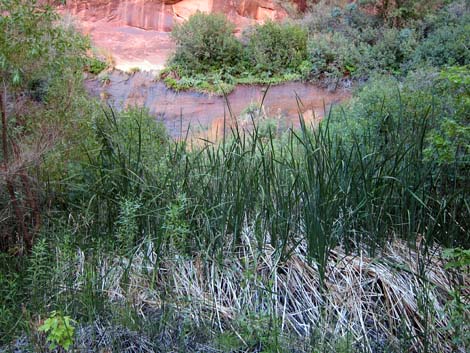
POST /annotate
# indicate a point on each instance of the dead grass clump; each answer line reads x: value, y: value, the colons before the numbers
x: 373, y: 300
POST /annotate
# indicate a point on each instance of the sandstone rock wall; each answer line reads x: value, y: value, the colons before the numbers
x: 161, y: 15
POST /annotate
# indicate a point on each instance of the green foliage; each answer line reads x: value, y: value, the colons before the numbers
x: 210, y: 59
x: 11, y: 295
x: 210, y: 82
x: 458, y: 308
x: 176, y: 227
x: 95, y: 66
x: 259, y: 330
x: 275, y: 48
x: 392, y: 163
x: 449, y: 142
x: 123, y: 175
x: 127, y: 227
x: 447, y: 45
x: 39, y: 274
x: 392, y: 114
x: 41, y: 64
x: 333, y: 56
x: 31, y: 44
x: 400, y: 12
x: 394, y: 48
x: 353, y: 42
x: 457, y: 258
x: 205, y: 43
x: 59, y: 329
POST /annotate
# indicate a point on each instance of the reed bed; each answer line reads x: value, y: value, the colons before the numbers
x: 327, y: 238
x: 333, y: 237
x: 371, y: 301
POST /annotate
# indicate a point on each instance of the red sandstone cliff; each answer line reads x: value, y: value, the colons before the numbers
x: 135, y: 32
x: 161, y: 15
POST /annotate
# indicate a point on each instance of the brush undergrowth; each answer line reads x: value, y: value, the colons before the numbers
x: 192, y: 247
x: 332, y: 43
x: 325, y: 238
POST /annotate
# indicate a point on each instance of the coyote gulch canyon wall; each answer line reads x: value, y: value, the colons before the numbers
x: 161, y: 15
x: 135, y: 33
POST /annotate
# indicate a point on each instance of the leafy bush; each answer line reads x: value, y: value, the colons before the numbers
x: 205, y: 43
x: 353, y: 43
x: 376, y: 37
x: 333, y: 56
x: 95, y: 66
x: 447, y: 45
x: 400, y: 12
x: 388, y: 111
x: 43, y: 58
x: 325, y: 17
x: 209, y: 58
x: 393, y: 49
x: 449, y: 141
x: 274, y: 48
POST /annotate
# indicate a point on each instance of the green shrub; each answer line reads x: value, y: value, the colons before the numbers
x: 448, y: 45
x: 320, y: 18
x: 210, y: 59
x: 382, y: 40
x: 449, y: 141
x: 41, y: 64
x: 333, y: 56
x: 393, y: 49
x: 206, y: 43
x: 95, y: 66
x: 274, y: 48
x: 401, y: 12
x: 389, y: 112
x: 354, y: 42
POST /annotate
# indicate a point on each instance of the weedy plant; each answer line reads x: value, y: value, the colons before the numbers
x: 60, y: 330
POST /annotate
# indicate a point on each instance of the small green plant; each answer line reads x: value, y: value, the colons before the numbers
x: 457, y: 258
x: 59, y: 329
x: 95, y: 66
x: 127, y: 227
x: 458, y: 308
x: 175, y: 226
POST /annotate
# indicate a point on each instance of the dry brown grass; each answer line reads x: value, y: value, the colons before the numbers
x: 372, y: 299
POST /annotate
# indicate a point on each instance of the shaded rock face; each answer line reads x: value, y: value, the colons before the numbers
x: 161, y: 15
